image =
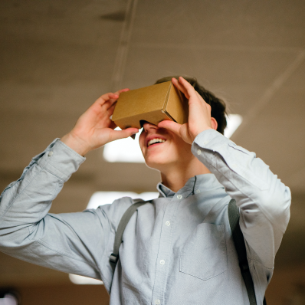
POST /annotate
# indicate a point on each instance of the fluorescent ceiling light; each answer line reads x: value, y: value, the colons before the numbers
x: 101, y: 198
x: 82, y: 280
x: 128, y: 150
x: 233, y: 122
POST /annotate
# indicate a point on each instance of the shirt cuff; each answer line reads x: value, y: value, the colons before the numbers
x: 208, y: 140
x: 60, y: 160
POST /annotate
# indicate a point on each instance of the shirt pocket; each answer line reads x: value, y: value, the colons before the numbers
x: 205, y: 255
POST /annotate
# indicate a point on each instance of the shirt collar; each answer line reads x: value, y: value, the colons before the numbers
x: 194, y: 185
x: 164, y: 191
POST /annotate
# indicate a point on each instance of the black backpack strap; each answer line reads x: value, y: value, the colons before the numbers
x: 114, y: 257
x: 240, y: 247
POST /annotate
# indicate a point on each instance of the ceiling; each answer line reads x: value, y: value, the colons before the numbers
x: 57, y: 57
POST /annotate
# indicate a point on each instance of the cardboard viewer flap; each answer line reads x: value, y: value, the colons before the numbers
x: 177, y: 106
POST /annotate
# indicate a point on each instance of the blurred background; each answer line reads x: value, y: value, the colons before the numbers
x: 58, y: 57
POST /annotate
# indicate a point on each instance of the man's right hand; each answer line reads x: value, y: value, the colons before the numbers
x: 94, y: 128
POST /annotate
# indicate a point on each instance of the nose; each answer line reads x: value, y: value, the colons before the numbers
x: 148, y: 126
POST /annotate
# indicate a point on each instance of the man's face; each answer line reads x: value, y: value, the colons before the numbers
x: 161, y: 148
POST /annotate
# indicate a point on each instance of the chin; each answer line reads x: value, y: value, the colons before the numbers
x: 159, y: 159
x: 154, y: 164
x: 158, y: 162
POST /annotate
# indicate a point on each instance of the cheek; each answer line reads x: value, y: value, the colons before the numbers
x: 171, y: 151
x: 181, y: 149
x: 177, y: 143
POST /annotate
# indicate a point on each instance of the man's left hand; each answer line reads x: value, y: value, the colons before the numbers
x: 199, y: 114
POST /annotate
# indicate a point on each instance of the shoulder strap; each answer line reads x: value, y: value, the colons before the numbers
x: 240, y: 247
x: 114, y: 257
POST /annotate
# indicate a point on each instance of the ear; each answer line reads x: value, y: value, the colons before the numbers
x: 214, y: 123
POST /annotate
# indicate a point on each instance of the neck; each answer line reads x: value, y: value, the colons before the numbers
x: 175, y: 177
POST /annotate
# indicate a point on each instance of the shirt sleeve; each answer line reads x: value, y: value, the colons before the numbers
x: 71, y: 242
x: 264, y: 201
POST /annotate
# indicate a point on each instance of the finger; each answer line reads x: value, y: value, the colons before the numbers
x: 109, y: 105
x: 121, y: 134
x: 110, y: 98
x: 199, y: 111
x: 187, y: 87
x: 202, y: 100
x: 122, y: 90
x: 106, y: 97
x: 179, y: 87
x: 117, y: 95
x: 209, y: 108
x: 112, y: 102
x: 170, y: 125
x: 113, y: 99
x: 110, y: 109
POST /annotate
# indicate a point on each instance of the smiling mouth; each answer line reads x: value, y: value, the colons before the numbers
x: 155, y: 141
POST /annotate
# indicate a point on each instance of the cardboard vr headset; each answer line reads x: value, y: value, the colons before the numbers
x: 152, y: 104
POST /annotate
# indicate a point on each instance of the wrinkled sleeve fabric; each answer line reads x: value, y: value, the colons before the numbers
x: 72, y: 242
x: 264, y: 201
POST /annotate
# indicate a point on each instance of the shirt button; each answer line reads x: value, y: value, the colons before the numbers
x: 198, y: 152
x: 50, y: 153
x: 205, y: 142
x: 168, y: 223
x: 158, y: 302
x: 162, y: 262
x: 197, y: 191
x: 179, y: 196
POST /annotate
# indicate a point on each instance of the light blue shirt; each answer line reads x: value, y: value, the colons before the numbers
x: 176, y: 250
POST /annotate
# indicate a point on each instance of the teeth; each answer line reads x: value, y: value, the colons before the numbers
x: 153, y: 141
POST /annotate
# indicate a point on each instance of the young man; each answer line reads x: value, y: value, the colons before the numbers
x: 177, y: 249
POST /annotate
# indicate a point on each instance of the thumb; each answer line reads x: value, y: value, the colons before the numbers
x: 120, y: 134
x: 170, y: 125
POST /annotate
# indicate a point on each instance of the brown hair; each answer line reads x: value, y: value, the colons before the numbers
x: 218, y: 106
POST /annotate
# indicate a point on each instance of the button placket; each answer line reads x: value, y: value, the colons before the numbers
x: 163, y: 260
